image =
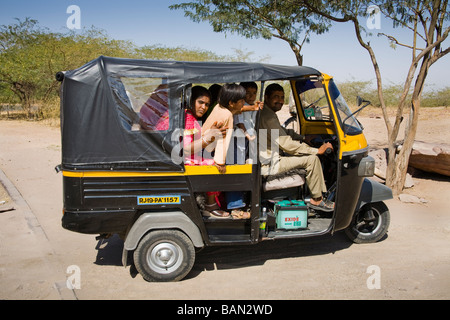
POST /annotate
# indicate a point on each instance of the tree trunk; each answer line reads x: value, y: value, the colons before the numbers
x: 433, y: 27
x: 297, y: 54
x: 299, y: 59
x: 396, y: 172
x: 24, y: 92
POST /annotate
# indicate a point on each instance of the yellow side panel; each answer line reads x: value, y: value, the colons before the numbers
x: 190, y: 170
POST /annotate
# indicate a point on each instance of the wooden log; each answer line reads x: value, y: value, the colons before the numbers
x: 431, y: 157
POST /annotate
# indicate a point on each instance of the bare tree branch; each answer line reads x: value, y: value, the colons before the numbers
x: 393, y: 39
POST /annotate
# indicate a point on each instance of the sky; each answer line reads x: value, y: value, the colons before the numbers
x: 336, y: 53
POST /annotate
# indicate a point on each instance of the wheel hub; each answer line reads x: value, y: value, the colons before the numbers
x: 165, y: 257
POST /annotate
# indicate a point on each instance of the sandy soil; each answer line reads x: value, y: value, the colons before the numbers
x: 37, y: 255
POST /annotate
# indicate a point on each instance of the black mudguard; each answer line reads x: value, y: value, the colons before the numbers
x: 373, y: 191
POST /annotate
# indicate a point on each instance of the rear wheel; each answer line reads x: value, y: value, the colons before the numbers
x: 369, y: 224
x: 164, y: 255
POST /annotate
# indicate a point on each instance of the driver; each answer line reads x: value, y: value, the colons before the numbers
x: 299, y: 155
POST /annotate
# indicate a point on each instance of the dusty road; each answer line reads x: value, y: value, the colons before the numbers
x: 37, y: 255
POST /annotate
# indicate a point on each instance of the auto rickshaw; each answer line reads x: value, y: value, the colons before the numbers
x: 121, y: 176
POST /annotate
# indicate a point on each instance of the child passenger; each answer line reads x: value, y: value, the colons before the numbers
x: 245, y: 122
x: 230, y: 102
x: 244, y: 132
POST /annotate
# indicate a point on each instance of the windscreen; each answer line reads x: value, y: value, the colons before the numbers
x: 313, y: 100
x: 348, y: 121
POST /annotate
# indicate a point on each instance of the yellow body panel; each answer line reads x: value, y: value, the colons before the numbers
x: 189, y: 171
x: 353, y: 143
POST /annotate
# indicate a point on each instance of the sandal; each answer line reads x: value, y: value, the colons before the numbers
x: 240, y: 214
x: 325, y: 206
x: 213, y: 210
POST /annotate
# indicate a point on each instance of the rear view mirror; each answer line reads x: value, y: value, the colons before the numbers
x: 359, y: 100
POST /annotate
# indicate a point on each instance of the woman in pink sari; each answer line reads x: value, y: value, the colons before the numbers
x: 194, y: 143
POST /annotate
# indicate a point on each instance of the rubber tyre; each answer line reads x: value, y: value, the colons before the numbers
x: 360, y: 231
x: 164, y: 256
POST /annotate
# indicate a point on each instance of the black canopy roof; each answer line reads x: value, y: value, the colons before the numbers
x: 96, y: 113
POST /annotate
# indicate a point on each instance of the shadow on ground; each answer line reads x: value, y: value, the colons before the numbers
x: 109, y: 252
x: 231, y: 257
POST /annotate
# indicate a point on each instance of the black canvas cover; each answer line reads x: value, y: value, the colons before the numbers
x: 111, y: 109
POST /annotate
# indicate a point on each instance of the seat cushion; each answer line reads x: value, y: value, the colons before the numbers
x: 284, y: 180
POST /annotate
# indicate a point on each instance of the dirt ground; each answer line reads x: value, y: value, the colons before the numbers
x: 37, y: 255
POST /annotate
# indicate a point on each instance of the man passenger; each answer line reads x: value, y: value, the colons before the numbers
x: 299, y: 155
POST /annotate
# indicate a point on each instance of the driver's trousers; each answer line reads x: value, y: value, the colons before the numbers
x: 312, y: 165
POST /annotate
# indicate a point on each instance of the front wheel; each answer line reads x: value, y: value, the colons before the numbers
x: 369, y: 224
x: 164, y: 255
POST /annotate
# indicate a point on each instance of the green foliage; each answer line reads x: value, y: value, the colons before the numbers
x: 156, y: 52
x: 19, y: 69
x: 392, y: 92
x: 437, y: 98
x: 30, y: 56
x: 265, y: 19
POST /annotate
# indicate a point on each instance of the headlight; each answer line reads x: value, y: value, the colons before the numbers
x: 366, y: 167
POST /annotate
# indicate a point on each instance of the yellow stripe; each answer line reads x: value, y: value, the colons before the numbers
x: 97, y: 174
x: 190, y: 171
